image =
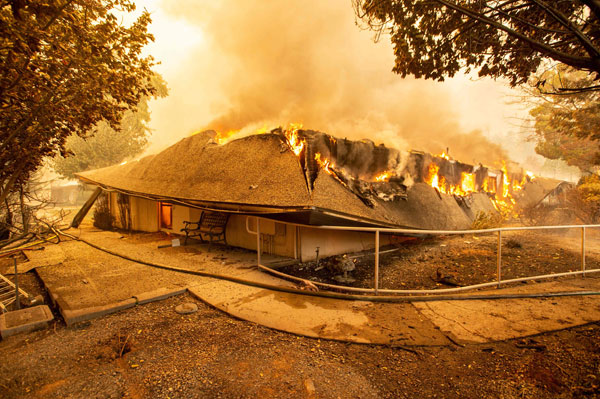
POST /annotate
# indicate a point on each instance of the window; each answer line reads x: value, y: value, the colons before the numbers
x: 166, y: 215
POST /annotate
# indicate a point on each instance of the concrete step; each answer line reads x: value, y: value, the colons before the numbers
x: 24, y: 320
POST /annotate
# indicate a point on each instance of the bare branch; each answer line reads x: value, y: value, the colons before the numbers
x: 581, y: 62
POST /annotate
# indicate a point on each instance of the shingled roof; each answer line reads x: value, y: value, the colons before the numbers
x: 260, y: 171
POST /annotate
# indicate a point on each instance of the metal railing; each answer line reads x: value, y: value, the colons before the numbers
x: 376, y: 230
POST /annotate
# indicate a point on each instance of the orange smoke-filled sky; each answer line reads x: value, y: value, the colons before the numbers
x: 237, y: 64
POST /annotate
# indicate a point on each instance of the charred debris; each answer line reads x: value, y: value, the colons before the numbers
x: 374, y: 172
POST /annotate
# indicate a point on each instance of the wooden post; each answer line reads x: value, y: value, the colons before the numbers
x: 86, y: 207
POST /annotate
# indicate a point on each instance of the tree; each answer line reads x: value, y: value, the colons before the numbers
x: 566, y: 126
x: 65, y: 66
x: 103, y: 145
x: 585, y: 200
x: 500, y: 38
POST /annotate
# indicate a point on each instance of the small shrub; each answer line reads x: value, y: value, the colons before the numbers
x: 534, y: 215
x: 512, y: 243
x: 102, y: 217
x: 487, y: 220
x: 585, y: 199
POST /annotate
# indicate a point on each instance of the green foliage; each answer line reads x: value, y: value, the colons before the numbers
x: 567, y: 126
x: 506, y: 38
x: 64, y: 67
x: 103, y: 145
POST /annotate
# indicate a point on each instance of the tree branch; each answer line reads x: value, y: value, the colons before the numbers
x: 6, y: 189
x: 55, y: 16
x: 524, y: 21
x: 576, y: 61
x: 24, y: 123
x: 591, y: 49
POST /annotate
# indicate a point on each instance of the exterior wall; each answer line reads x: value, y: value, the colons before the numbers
x: 114, y: 209
x: 276, y: 238
x: 144, y: 214
x: 335, y: 242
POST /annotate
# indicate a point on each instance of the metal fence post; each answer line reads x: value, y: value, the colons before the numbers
x: 583, y: 251
x: 258, y: 240
x: 499, y: 258
x: 17, y: 299
x: 376, y: 261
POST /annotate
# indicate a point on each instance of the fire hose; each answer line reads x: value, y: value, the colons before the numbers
x: 330, y: 294
x: 9, y: 251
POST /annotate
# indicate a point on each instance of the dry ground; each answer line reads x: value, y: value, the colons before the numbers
x: 465, y: 260
x: 152, y: 352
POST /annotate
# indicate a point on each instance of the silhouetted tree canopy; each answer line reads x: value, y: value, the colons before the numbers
x: 65, y: 65
x: 103, y: 145
x: 566, y: 126
x: 434, y: 39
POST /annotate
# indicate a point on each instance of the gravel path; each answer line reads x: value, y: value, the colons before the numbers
x: 153, y: 352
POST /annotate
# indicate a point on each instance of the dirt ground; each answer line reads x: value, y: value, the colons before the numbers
x: 443, y: 262
x: 152, y: 352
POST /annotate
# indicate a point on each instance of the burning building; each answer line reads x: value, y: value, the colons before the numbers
x: 295, y: 180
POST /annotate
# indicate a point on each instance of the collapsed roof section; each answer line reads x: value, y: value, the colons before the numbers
x: 316, y: 179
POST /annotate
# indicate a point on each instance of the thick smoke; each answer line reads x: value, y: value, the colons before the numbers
x: 274, y: 62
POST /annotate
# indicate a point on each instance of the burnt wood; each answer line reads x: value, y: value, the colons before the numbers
x: 211, y: 224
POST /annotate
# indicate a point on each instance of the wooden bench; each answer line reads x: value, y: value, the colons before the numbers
x: 211, y: 224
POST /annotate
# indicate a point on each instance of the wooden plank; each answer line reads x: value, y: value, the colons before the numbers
x: 86, y: 207
x: 21, y: 292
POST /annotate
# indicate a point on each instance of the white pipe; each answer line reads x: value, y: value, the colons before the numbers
x: 450, y: 232
x: 295, y: 242
x: 434, y: 291
x: 258, y: 241
x: 248, y: 226
x: 583, y: 251
x: 499, y: 259
x: 376, y: 261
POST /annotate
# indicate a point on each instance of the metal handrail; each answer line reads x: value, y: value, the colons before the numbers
x: 497, y: 230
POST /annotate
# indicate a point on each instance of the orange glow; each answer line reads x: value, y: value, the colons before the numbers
x: 291, y: 135
x: 433, y: 179
x: 444, y: 155
x: 385, y: 176
x: 504, y: 207
x: 530, y: 175
x: 467, y: 182
x: 222, y: 138
x: 505, y: 181
x: 517, y: 186
x: 467, y: 185
x: 324, y: 163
